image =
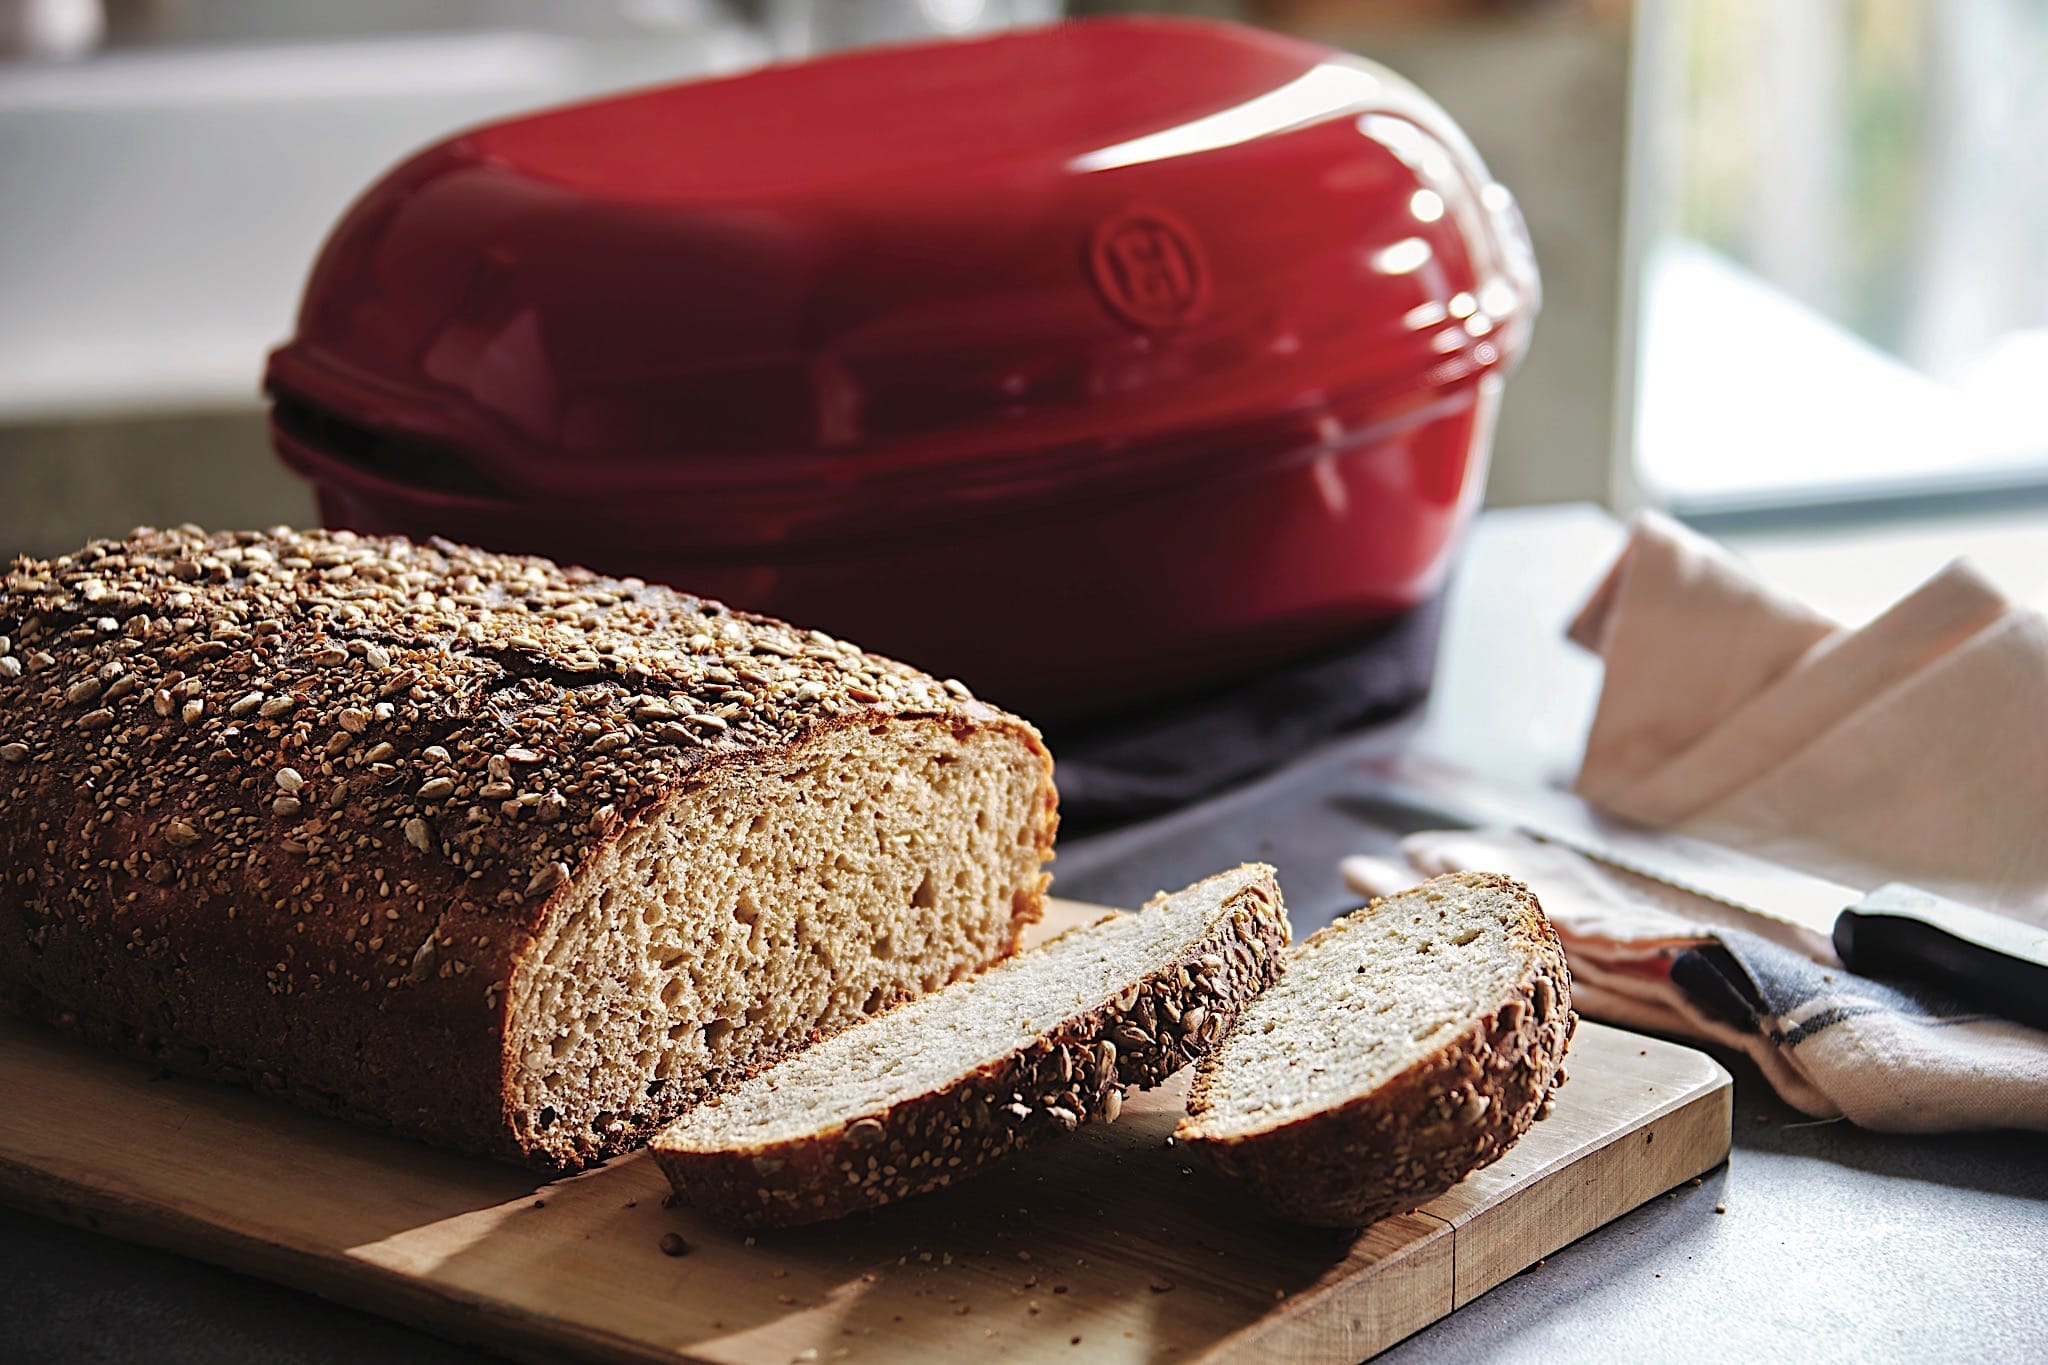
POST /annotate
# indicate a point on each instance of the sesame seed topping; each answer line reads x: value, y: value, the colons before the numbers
x: 206, y: 706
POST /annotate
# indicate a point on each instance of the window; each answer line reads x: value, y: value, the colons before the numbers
x: 1841, y: 219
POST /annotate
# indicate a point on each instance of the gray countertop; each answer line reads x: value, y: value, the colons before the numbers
x: 1834, y: 1243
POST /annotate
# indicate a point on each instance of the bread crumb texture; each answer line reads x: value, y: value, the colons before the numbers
x: 510, y: 856
x: 943, y: 1087
x: 1406, y: 1045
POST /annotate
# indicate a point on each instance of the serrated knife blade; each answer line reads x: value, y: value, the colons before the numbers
x: 1721, y: 874
x: 1994, y: 962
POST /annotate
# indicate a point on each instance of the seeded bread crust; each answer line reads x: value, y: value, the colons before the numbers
x: 1076, y: 1072
x: 1451, y: 1113
x: 288, y: 808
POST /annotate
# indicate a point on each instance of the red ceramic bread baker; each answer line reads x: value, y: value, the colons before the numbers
x: 1085, y: 363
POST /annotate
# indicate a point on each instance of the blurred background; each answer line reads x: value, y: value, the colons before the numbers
x: 1795, y: 254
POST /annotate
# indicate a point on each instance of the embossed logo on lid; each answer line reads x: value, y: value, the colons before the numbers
x: 1148, y: 268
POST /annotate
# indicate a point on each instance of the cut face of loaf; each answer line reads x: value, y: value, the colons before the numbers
x: 473, y: 847
x: 1407, y: 1045
x: 940, y: 1088
x: 803, y: 893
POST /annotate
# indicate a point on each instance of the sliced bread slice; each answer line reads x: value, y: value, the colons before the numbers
x: 937, y: 1089
x: 1407, y: 1045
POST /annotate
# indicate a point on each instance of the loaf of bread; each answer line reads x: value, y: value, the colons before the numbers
x: 948, y: 1085
x: 514, y: 858
x: 1407, y: 1045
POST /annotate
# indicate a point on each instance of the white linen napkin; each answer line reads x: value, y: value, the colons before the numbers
x: 1912, y: 749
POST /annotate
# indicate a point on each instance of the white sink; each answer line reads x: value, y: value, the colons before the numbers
x: 159, y: 210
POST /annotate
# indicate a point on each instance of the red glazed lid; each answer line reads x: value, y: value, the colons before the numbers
x: 905, y: 283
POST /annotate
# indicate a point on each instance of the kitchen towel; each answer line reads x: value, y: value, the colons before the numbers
x: 1914, y: 748
x: 1117, y: 769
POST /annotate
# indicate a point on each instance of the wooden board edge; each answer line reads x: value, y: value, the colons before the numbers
x: 1328, y: 1323
x: 1697, y: 1132
x: 1697, y: 1125
x: 346, y: 1280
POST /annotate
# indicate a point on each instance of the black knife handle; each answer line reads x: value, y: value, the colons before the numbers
x: 1993, y: 962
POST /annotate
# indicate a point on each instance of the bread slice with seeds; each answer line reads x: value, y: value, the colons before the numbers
x: 509, y: 856
x: 1407, y: 1045
x: 938, y: 1089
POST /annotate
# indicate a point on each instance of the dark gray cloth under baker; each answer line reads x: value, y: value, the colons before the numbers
x: 1145, y: 762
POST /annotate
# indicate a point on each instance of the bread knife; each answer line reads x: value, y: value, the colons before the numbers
x: 1989, y: 961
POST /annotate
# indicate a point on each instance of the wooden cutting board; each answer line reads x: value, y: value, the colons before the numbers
x: 1105, y: 1246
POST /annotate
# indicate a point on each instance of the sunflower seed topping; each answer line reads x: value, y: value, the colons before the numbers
x: 547, y: 879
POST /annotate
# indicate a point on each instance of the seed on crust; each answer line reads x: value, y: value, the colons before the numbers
x: 547, y: 879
